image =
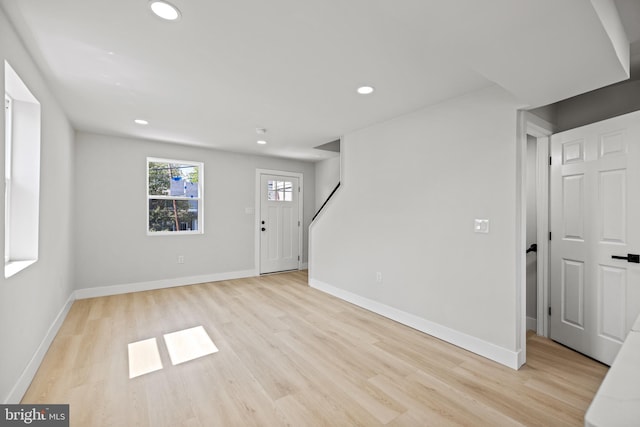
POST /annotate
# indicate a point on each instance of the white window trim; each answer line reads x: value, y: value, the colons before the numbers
x: 8, y: 144
x: 22, y: 154
x: 200, y: 198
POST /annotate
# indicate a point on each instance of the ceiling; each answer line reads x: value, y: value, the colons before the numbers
x: 228, y: 67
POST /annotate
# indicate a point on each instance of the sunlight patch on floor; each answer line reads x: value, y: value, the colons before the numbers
x: 189, y: 344
x: 144, y: 357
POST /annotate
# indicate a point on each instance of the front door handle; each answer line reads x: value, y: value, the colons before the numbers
x: 629, y: 258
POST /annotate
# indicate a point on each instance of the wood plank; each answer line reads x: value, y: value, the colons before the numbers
x: 292, y: 355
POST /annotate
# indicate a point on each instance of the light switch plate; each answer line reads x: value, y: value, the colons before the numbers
x: 481, y: 226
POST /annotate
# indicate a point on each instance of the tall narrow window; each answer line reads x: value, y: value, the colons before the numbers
x: 174, y: 196
x: 7, y: 177
x: 22, y: 174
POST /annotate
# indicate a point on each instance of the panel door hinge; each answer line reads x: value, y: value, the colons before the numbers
x: 298, y: 189
x: 549, y: 310
x: 550, y: 161
x: 298, y: 223
x: 298, y: 257
x: 549, y: 235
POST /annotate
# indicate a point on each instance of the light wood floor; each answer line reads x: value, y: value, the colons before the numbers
x: 291, y: 355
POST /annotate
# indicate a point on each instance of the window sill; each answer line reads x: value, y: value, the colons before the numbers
x: 14, y: 267
x: 174, y: 233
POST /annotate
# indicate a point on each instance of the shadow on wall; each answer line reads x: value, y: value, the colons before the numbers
x: 600, y: 104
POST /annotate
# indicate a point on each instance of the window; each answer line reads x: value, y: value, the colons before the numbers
x: 174, y: 197
x: 22, y: 174
x: 8, y: 112
x: 279, y: 191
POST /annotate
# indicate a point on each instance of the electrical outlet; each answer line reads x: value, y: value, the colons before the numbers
x: 379, y: 277
x: 180, y: 259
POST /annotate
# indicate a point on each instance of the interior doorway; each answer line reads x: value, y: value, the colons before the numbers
x: 532, y: 262
x: 532, y: 236
x: 584, y: 209
x: 595, y: 264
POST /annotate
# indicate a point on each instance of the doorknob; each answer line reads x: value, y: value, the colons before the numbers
x: 533, y: 248
x: 264, y: 229
x: 629, y: 258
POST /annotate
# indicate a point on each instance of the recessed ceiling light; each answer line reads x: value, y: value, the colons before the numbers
x: 141, y: 122
x: 165, y: 10
x: 365, y: 90
x: 261, y: 141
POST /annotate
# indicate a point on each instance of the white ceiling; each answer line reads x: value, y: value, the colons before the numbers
x: 292, y: 67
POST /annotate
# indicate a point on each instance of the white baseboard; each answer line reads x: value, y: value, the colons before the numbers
x: 103, y: 291
x: 532, y: 324
x: 476, y: 345
x: 521, y: 358
x: 20, y: 388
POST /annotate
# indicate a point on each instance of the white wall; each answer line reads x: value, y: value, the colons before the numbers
x: 532, y: 229
x: 411, y: 188
x: 110, y: 231
x: 327, y: 177
x: 31, y: 301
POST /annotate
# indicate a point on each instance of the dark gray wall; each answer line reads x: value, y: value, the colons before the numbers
x: 594, y: 106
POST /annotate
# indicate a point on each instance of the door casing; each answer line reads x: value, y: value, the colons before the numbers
x: 529, y: 124
x: 257, y: 209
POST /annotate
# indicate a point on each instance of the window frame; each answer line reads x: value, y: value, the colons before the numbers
x: 23, y: 139
x: 284, y: 191
x: 199, y: 199
x: 8, y: 174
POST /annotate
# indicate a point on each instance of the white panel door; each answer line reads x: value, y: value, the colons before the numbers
x: 279, y: 223
x: 595, y: 211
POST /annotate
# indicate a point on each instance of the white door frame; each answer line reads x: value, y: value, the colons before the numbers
x: 529, y: 124
x: 258, y: 215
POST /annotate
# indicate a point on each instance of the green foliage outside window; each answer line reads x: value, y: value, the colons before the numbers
x: 174, y: 196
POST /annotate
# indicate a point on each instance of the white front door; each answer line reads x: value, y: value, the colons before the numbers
x: 279, y: 223
x: 595, y: 218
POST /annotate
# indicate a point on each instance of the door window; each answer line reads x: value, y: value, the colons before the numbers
x: 279, y: 191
